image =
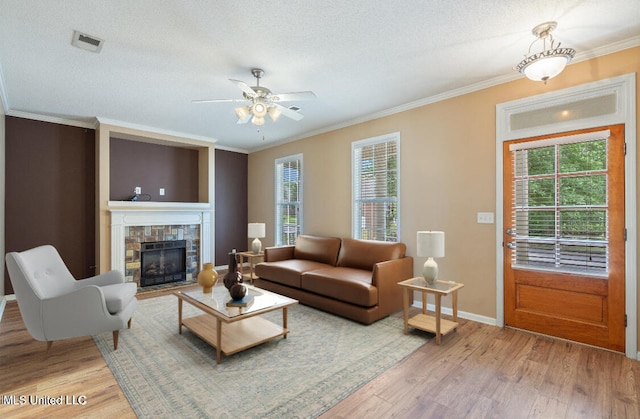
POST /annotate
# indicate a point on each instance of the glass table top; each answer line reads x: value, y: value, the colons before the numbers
x: 420, y: 282
x: 219, y: 297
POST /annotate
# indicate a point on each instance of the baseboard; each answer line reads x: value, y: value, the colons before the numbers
x: 462, y: 314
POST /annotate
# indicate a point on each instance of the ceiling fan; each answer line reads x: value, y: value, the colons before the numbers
x: 263, y: 102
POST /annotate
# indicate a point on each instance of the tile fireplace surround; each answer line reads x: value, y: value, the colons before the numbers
x: 128, y: 215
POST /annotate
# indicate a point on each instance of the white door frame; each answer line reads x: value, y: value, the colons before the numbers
x: 623, y: 88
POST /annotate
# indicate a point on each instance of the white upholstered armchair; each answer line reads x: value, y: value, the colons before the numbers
x: 54, y: 305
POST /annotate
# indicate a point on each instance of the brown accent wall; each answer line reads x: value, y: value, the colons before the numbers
x: 152, y: 166
x: 50, y: 191
x: 231, y: 204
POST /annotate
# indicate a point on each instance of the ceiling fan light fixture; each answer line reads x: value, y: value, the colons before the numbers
x: 257, y: 120
x: 243, y: 112
x: 274, y: 113
x: 549, y: 62
x: 259, y: 109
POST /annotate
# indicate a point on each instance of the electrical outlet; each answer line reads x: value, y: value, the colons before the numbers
x: 137, y: 190
x: 161, y: 191
x: 485, y: 218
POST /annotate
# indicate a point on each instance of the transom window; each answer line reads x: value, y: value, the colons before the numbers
x: 560, y: 204
x: 288, y: 199
x: 376, y: 198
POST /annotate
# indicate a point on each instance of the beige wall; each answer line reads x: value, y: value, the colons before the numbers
x: 447, y: 156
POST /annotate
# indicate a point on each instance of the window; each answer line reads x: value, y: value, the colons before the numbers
x: 560, y: 206
x: 376, y: 183
x: 288, y: 199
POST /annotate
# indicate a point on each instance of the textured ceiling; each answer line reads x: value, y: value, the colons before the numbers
x: 361, y: 57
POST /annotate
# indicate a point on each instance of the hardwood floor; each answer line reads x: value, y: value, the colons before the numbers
x: 478, y: 372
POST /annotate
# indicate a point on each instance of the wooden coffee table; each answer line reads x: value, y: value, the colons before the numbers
x: 233, y: 329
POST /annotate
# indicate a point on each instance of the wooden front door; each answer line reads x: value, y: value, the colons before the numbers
x: 564, y: 238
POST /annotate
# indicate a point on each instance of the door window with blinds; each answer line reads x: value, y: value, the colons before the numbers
x: 560, y: 204
x: 288, y: 199
x: 375, y: 171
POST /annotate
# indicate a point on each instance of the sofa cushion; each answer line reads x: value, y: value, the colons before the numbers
x: 319, y: 249
x: 345, y: 284
x: 287, y: 272
x: 364, y: 254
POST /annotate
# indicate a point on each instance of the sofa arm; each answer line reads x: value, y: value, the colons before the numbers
x: 386, y: 276
x: 274, y: 254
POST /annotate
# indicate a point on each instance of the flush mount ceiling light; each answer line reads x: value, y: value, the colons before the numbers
x: 550, y: 61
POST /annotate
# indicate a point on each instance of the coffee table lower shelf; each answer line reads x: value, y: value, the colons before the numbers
x: 236, y: 336
x: 428, y: 324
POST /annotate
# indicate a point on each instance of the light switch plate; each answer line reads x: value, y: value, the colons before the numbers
x: 485, y: 218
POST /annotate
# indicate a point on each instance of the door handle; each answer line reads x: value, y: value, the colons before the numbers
x: 511, y: 245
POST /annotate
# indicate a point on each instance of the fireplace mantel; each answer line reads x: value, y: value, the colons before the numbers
x: 127, y: 213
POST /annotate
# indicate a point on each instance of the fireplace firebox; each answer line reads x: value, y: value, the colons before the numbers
x: 162, y: 262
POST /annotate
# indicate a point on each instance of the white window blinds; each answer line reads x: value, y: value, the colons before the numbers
x: 375, y: 188
x: 560, y: 201
x: 288, y: 199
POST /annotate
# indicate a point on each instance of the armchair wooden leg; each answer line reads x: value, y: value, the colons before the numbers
x: 116, y: 333
x: 129, y: 323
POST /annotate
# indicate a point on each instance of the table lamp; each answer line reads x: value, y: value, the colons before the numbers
x: 430, y: 245
x: 257, y: 231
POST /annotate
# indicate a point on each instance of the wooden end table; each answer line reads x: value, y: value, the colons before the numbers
x: 250, y: 257
x: 434, y: 324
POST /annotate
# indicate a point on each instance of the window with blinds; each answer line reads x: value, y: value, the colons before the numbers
x: 560, y: 204
x: 288, y: 199
x: 376, y: 188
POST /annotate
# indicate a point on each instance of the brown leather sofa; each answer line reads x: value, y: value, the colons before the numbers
x: 352, y: 278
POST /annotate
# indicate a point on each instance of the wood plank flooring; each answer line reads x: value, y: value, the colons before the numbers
x: 479, y: 371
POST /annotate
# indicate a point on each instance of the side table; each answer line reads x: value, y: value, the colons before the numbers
x: 250, y: 257
x: 434, y: 324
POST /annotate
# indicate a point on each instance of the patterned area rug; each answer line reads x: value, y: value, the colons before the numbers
x: 323, y: 360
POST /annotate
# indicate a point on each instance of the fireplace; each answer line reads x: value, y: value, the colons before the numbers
x: 162, y: 262
x: 136, y: 223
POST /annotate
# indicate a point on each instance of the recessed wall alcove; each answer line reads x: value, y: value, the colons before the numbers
x: 116, y: 212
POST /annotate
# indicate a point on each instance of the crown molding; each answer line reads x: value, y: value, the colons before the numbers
x: 140, y: 127
x: 89, y: 123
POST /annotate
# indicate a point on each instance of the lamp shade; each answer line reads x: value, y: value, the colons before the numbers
x: 256, y: 230
x: 431, y: 244
x: 546, y: 67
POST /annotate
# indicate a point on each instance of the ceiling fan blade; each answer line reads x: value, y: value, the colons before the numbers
x: 218, y: 100
x: 286, y: 97
x: 244, y: 87
x: 296, y: 116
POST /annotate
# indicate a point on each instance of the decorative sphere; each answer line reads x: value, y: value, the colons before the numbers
x: 238, y: 291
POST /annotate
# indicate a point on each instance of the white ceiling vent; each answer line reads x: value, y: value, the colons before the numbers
x: 88, y: 42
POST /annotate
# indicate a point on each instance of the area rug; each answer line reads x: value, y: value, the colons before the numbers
x: 324, y: 359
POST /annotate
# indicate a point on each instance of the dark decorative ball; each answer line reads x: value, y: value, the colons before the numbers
x: 238, y: 291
